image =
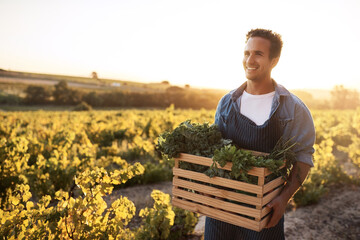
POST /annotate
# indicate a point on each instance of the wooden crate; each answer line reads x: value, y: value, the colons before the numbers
x: 191, y: 191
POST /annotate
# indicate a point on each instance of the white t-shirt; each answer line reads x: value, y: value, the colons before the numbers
x: 256, y: 107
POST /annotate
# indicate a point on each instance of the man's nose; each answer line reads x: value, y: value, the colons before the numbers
x: 250, y: 59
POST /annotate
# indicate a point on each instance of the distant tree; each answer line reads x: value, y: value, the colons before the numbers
x: 64, y: 95
x: 61, y: 93
x: 94, y: 75
x: 10, y: 99
x: 115, y: 99
x: 37, y: 95
x: 93, y: 99
x: 187, y: 86
x: 343, y: 98
x: 75, y: 97
x: 165, y: 82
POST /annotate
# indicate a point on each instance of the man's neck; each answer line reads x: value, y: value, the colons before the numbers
x: 258, y: 88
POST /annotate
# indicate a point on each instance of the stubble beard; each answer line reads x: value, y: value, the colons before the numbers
x: 255, y: 79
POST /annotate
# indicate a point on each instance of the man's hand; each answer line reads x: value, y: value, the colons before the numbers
x: 278, y: 205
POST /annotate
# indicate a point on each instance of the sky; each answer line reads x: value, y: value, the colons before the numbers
x: 195, y: 42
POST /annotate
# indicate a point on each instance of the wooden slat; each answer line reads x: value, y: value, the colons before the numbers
x: 261, y: 181
x: 217, y: 203
x: 255, y: 171
x: 273, y: 184
x: 208, y: 162
x: 218, y: 192
x: 196, y: 159
x: 264, y: 222
x: 247, y: 187
x: 266, y: 199
x: 176, y: 165
x: 202, y: 161
x: 265, y: 211
x: 217, y: 214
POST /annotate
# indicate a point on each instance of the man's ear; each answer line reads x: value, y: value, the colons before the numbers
x: 274, y: 62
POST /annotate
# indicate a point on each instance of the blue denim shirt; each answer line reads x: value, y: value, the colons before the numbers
x: 295, y: 119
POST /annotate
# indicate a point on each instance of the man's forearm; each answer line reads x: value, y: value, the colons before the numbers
x: 279, y: 203
x: 297, y: 176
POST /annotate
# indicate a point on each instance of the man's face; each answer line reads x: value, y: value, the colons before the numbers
x: 257, y: 64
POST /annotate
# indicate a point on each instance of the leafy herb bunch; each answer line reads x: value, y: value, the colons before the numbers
x: 192, y: 138
x: 243, y: 160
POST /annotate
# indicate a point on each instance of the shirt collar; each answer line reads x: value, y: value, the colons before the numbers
x: 279, y: 91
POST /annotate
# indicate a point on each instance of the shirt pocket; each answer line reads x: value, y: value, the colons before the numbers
x: 285, y: 121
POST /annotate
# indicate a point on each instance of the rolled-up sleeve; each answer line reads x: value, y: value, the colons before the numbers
x: 302, y: 131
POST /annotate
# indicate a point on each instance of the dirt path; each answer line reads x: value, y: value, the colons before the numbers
x: 336, y: 216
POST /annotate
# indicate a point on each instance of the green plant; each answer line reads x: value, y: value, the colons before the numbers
x: 162, y: 221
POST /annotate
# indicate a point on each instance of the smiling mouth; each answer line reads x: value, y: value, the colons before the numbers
x: 251, y: 68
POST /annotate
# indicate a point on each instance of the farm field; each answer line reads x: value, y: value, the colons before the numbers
x: 63, y: 173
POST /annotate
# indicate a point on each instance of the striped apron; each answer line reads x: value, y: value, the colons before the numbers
x: 246, y: 134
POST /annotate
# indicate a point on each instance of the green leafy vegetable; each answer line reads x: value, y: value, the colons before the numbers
x: 206, y: 140
x: 193, y: 138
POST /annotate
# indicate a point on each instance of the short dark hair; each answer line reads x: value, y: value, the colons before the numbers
x: 273, y: 37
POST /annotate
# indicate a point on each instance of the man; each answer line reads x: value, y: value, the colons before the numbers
x: 255, y: 116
